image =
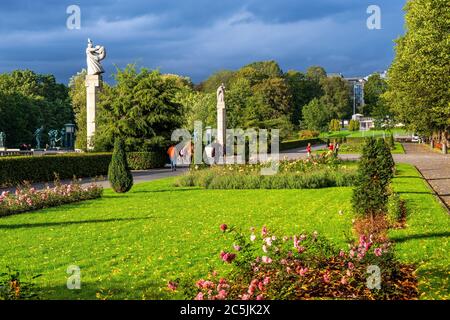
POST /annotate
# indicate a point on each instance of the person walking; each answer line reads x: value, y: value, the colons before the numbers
x: 331, y: 147
x: 172, y: 152
x: 336, y: 149
x: 308, y: 149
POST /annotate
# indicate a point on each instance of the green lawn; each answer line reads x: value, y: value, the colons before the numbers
x: 355, y: 148
x: 360, y: 134
x: 130, y: 245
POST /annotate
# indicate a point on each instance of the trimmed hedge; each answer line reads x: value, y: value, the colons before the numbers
x: 16, y: 170
x: 146, y: 160
x: 292, y: 144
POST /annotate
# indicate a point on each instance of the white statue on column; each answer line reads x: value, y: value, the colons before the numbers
x: 221, y: 121
x: 93, y: 85
x: 93, y: 57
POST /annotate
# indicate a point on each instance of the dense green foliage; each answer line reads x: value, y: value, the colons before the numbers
x: 141, y: 108
x: 316, y: 115
x: 28, y: 101
x: 16, y: 170
x: 77, y: 93
x: 146, y: 160
x: 353, y: 125
x: 418, y: 79
x: 119, y: 173
x: 335, y: 125
x: 375, y: 172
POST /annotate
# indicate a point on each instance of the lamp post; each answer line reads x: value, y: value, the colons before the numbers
x: 70, y: 136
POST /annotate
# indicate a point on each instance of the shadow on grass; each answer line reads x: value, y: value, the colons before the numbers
x: 421, y: 236
x: 175, y: 189
x: 415, y: 192
x: 107, y: 290
x: 66, y: 223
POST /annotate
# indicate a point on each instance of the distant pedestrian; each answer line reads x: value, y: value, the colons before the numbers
x: 308, y: 149
x: 331, y: 147
x: 172, y: 152
x: 336, y: 149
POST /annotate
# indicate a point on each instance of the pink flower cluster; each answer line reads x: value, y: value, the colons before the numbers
x: 211, y: 290
x: 27, y: 199
x: 256, y: 289
x: 227, y: 256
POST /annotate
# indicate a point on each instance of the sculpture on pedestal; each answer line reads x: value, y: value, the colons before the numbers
x: 53, y: 138
x: 94, y: 55
x: 221, y: 119
x: 37, y: 134
x: 2, y: 140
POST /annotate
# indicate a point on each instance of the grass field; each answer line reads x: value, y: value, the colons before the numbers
x: 128, y: 246
x: 356, y: 148
x: 360, y: 134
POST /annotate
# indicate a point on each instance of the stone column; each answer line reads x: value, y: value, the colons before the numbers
x: 93, y: 87
x: 221, y: 125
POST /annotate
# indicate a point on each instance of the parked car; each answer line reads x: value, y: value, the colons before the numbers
x: 415, y: 138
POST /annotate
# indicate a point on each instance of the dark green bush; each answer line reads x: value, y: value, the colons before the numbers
x: 146, y: 160
x: 16, y: 170
x: 119, y: 173
x: 375, y: 172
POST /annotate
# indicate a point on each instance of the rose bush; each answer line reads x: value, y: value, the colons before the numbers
x: 28, y: 198
x: 303, y: 266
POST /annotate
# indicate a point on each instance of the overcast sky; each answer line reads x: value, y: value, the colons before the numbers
x: 198, y: 37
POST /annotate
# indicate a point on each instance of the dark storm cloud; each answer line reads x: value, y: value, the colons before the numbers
x: 198, y: 37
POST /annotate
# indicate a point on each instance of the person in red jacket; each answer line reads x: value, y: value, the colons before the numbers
x: 308, y: 149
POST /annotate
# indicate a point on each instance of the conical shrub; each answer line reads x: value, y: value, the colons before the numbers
x: 119, y: 174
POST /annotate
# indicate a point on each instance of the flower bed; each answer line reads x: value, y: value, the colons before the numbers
x: 304, y: 266
x: 315, y: 172
x: 28, y: 199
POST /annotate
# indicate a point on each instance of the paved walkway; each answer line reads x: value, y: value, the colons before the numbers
x: 434, y: 166
x: 139, y: 176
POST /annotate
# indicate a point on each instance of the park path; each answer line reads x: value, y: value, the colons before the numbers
x: 139, y: 176
x: 434, y: 166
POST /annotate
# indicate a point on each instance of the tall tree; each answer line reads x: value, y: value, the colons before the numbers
x: 337, y: 95
x: 316, y: 115
x: 418, y: 79
x: 29, y: 101
x: 141, y: 108
x: 373, y: 89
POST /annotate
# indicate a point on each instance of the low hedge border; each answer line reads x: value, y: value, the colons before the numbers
x: 16, y: 170
x: 312, y: 180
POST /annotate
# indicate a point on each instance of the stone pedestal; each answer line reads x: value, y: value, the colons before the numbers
x: 93, y: 87
x: 221, y: 125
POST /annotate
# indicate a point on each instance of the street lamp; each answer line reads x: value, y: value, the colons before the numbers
x: 70, y: 135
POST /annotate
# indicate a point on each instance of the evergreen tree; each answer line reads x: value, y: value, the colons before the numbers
x: 119, y: 174
x: 375, y: 171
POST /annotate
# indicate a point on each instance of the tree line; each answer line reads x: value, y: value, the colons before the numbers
x: 145, y: 106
